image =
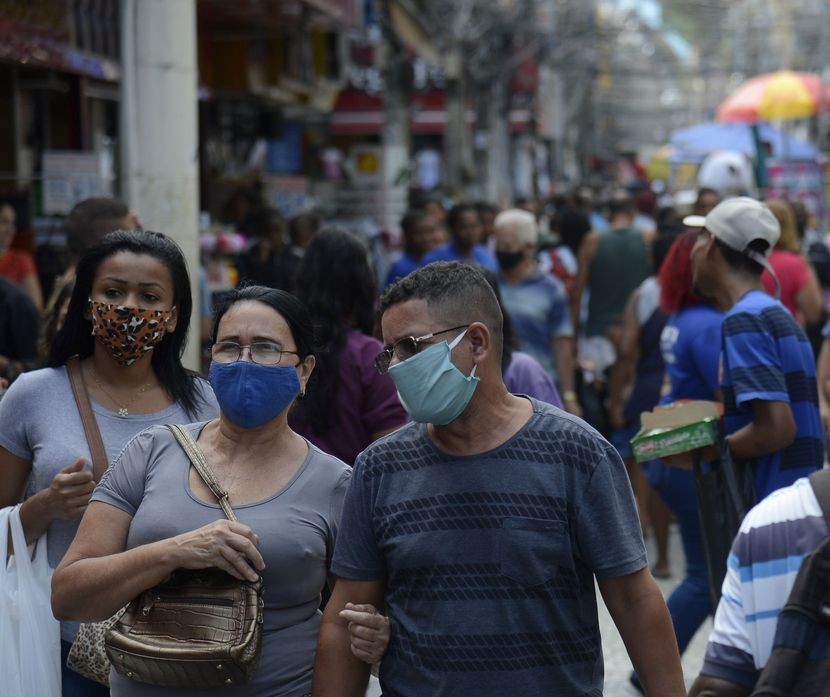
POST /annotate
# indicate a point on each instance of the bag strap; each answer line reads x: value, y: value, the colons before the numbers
x: 820, y: 481
x: 197, y: 459
x: 91, y: 430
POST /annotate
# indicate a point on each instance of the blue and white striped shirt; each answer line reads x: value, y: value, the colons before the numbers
x: 773, y: 539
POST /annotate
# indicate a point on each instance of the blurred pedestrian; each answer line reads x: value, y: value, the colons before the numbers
x: 634, y: 386
x: 799, y: 286
x: 17, y: 265
x: 611, y: 264
x: 19, y: 331
x: 419, y: 237
x: 572, y: 227
x: 771, y: 418
x: 287, y: 493
x: 269, y: 262
x: 127, y: 321
x: 487, y: 213
x: 773, y: 539
x: 521, y: 372
x: 301, y: 230
x: 484, y: 524
x: 348, y: 404
x: 537, y: 303
x: 706, y: 200
x: 87, y: 224
x: 465, y: 230
x: 690, y: 344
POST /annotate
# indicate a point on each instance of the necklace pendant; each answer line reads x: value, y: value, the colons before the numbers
x: 123, y: 412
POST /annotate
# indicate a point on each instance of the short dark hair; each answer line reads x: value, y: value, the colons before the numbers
x: 740, y: 262
x: 90, y: 220
x: 411, y: 219
x: 75, y: 337
x: 620, y: 204
x: 457, y: 291
x: 291, y: 309
x: 258, y: 223
x: 457, y: 211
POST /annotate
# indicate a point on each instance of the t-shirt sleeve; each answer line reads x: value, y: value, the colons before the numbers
x: 17, y: 404
x: 357, y: 555
x: 336, y: 512
x: 559, y: 317
x: 753, y: 361
x: 381, y: 408
x: 122, y: 485
x: 705, y: 351
x: 608, y: 529
x: 729, y: 651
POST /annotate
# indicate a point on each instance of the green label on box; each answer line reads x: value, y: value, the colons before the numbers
x: 660, y: 442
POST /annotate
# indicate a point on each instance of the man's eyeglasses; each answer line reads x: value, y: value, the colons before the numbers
x: 262, y: 352
x: 406, y: 348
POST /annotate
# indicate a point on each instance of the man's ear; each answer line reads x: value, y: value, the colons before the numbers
x: 481, y: 340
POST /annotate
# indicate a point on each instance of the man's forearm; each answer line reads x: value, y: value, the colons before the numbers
x: 337, y: 672
x: 646, y: 630
x: 563, y: 356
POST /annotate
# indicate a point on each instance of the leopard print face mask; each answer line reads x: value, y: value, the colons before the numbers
x: 128, y: 332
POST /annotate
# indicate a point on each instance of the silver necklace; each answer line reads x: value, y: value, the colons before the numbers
x: 123, y: 407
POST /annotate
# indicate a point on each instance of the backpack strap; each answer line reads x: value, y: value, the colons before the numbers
x: 820, y: 481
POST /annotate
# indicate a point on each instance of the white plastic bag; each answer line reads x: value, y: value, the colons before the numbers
x: 30, y: 649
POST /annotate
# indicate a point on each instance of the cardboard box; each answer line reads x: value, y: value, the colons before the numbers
x: 676, y: 428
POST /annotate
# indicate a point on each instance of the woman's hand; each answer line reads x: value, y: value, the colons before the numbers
x: 68, y: 494
x: 226, y: 545
x: 368, y: 631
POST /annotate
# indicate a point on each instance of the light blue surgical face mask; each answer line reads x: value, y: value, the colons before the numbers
x: 430, y: 387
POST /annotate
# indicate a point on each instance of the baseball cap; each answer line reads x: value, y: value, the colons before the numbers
x: 737, y: 222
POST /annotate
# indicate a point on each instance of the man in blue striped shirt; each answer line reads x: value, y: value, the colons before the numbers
x: 768, y: 375
x: 773, y: 540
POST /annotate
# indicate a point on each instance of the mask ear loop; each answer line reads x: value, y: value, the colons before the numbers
x: 455, y: 343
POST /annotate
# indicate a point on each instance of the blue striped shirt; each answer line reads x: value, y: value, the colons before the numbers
x: 767, y: 356
x: 773, y: 540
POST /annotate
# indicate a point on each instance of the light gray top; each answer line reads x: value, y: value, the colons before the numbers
x: 40, y: 422
x: 297, y: 528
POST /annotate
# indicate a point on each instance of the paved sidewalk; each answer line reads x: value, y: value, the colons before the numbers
x: 617, y: 665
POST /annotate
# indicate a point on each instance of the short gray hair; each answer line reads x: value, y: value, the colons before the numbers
x: 524, y: 222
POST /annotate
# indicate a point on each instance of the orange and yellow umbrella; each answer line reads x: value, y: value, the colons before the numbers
x: 774, y: 97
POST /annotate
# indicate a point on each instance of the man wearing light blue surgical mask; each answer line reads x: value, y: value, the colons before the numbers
x: 483, y: 525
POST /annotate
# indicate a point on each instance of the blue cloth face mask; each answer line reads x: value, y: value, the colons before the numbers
x: 430, y: 387
x: 250, y: 394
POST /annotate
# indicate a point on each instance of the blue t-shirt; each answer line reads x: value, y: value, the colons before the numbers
x: 691, y: 345
x: 488, y: 560
x: 767, y: 356
x: 449, y: 252
x: 538, y: 309
x: 403, y: 266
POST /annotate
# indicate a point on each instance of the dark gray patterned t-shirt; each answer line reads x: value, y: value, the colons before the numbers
x: 489, y: 560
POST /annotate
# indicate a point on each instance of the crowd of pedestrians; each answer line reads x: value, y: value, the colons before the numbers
x: 432, y: 474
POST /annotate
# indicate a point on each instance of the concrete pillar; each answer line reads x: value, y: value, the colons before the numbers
x: 159, y: 128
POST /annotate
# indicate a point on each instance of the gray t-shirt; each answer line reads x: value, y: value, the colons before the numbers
x: 297, y: 527
x: 39, y: 422
x: 489, y: 560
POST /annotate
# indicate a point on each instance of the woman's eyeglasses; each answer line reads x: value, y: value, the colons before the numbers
x: 262, y: 352
x: 406, y: 348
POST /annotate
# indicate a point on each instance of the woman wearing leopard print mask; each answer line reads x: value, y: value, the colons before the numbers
x: 127, y: 321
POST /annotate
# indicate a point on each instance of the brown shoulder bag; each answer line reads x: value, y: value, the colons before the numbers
x: 197, y: 630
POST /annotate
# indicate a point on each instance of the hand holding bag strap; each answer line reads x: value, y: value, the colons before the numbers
x: 91, y: 430
x: 197, y: 459
x: 820, y: 480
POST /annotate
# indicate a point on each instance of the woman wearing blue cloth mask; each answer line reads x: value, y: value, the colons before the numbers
x: 152, y: 513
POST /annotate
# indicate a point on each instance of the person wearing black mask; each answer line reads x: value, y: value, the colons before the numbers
x: 537, y: 302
